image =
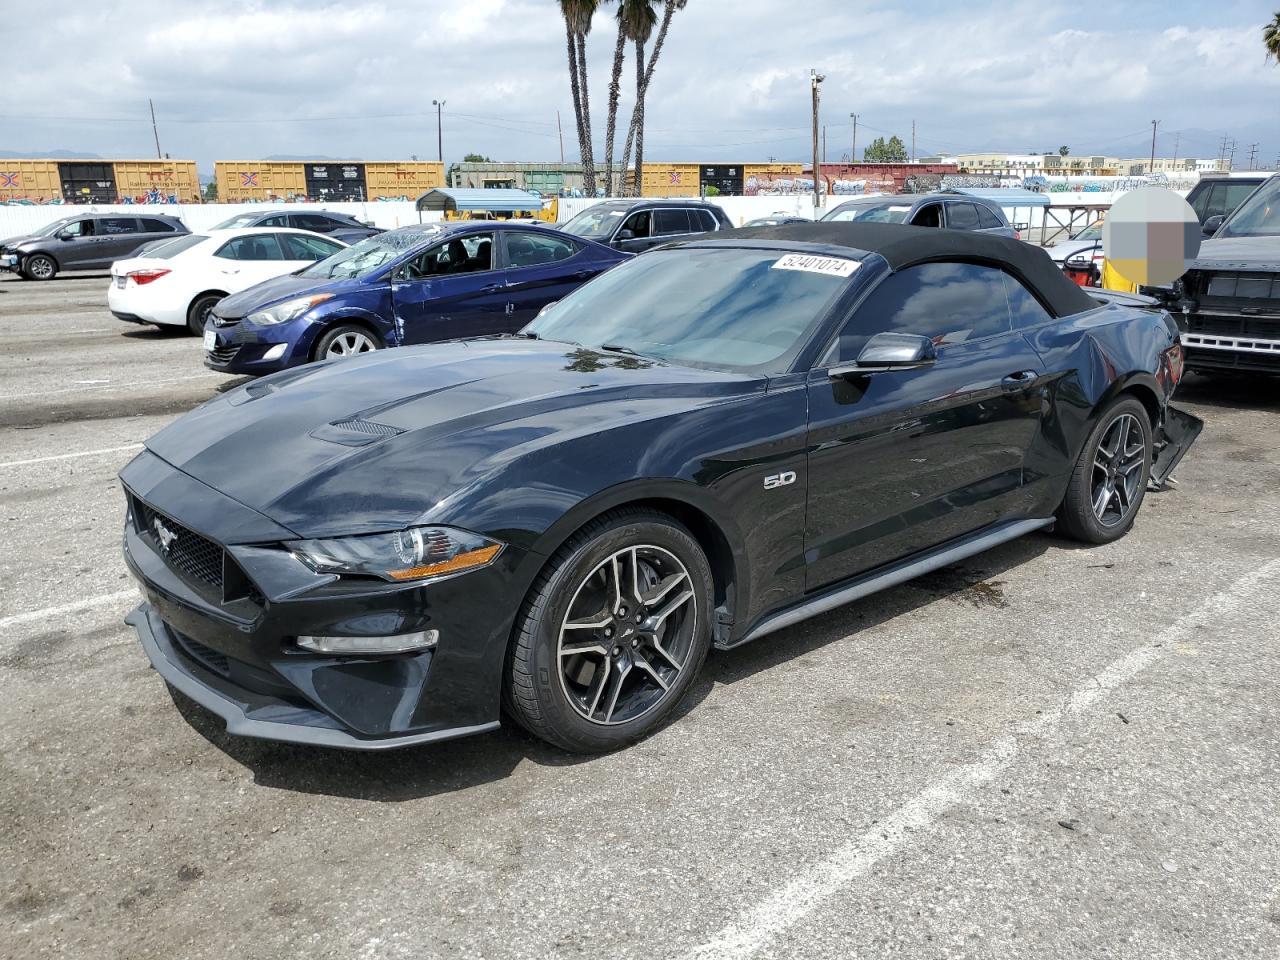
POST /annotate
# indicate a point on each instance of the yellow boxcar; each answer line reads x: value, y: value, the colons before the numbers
x: 244, y: 180
x: 140, y: 180
x: 37, y: 181
x: 408, y: 180
x: 669, y: 180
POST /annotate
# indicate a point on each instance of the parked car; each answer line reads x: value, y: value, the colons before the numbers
x: 340, y: 226
x: 637, y: 225
x: 1216, y: 196
x: 1228, y: 303
x: 955, y: 211
x: 704, y: 445
x: 416, y: 284
x: 84, y: 241
x: 177, y: 283
x: 775, y: 220
x: 1082, y: 244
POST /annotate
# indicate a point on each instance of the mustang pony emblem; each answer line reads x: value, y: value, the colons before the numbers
x: 163, y: 534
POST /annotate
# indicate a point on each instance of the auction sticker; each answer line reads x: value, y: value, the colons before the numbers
x: 831, y: 266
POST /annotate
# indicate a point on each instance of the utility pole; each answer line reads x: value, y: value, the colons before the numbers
x: 1231, y: 157
x: 439, y: 105
x: 154, y: 133
x: 560, y: 130
x: 1253, y: 152
x: 1177, y: 139
x: 816, y: 78
x: 1152, y: 168
x: 913, y: 141
x: 824, y: 143
x: 1222, y: 150
x: 853, y: 152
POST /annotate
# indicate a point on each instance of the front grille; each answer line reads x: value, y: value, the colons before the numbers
x: 1260, y: 287
x: 224, y: 354
x: 1264, y: 328
x: 1199, y: 358
x: 196, y: 557
x: 223, y: 321
x: 205, y: 656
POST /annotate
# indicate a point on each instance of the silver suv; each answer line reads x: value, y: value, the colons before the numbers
x: 84, y: 241
x: 954, y: 211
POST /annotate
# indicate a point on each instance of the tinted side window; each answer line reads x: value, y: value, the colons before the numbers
x: 1216, y: 205
x: 987, y: 220
x: 1199, y: 199
x: 312, y: 221
x: 638, y: 223
x: 1236, y: 193
x: 962, y: 216
x: 1024, y: 309
x: 279, y: 220
x: 947, y: 302
x: 530, y: 249
x: 670, y: 221
x: 299, y: 247
x: 113, y: 226
x: 262, y: 246
x: 704, y: 220
x: 152, y: 225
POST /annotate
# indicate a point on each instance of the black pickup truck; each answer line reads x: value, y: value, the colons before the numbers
x: 1227, y: 304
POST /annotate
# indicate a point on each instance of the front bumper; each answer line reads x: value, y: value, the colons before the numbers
x: 9, y: 262
x: 222, y: 614
x: 240, y: 348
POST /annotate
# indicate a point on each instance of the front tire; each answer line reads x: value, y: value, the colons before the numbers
x: 39, y: 267
x: 1110, y: 475
x: 345, y: 340
x: 613, y: 633
x: 199, y: 311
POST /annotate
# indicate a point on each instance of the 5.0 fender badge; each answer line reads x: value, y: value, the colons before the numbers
x: 779, y: 480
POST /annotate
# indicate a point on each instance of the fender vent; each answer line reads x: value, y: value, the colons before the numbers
x: 355, y: 432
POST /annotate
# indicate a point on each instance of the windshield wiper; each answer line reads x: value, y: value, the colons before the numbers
x: 618, y: 348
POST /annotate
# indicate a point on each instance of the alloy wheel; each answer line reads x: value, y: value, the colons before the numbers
x: 1117, y: 470
x: 346, y: 344
x: 40, y: 267
x: 627, y: 634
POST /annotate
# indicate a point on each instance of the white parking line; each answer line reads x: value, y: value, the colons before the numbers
x: 108, y: 386
x: 857, y: 857
x: 69, y: 456
x: 31, y: 616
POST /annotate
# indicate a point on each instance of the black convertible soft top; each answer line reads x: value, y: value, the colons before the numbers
x: 903, y: 246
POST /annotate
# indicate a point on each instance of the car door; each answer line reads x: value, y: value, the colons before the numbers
x: 541, y: 267
x: 116, y: 238
x: 455, y: 288
x: 903, y: 460
x: 635, y: 233
x: 75, y: 248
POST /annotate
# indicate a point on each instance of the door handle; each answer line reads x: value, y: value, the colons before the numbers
x: 583, y: 274
x: 1018, y: 381
x: 493, y: 288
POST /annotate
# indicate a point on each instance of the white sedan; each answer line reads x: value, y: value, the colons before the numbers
x: 178, y: 282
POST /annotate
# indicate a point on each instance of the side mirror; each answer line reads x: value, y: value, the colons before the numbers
x: 66, y: 235
x: 626, y: 235
x: 886, y: 352
x: 1210, y: 226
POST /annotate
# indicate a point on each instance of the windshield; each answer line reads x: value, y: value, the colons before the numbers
x: 171, y: 248
x: 239, y: 220
x: 719, y: 308
x: 883, y: 212
x: 1091, y: 233
x: 49, y: 229
x: 1259, y: 216
x: 595, y: 223
x: 369, y: 255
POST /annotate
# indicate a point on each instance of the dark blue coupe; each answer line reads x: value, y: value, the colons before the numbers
x: 417, y: 284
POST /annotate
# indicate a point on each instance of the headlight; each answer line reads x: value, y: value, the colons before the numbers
x: 418, y: 553
x: 288, y: 310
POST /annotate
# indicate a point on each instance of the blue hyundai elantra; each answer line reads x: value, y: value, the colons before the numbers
x: 417, y: 284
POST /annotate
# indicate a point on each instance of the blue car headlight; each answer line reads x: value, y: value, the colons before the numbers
x: 418, y: 553
x: 289, y: 310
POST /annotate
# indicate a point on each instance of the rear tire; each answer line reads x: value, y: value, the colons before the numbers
x: 1110, y: 477
x: 199, y: 310
x: 642, y: 644
x: 39, y: 267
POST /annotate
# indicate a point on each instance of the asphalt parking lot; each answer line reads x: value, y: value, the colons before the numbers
x: 1048, y: 751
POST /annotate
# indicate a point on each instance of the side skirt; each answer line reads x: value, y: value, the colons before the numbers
x: 890, y: 577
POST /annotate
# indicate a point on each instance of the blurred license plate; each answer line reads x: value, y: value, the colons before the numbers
x: 120, y: 281
x: 210, y: 339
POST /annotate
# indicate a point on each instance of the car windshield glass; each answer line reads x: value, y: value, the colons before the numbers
x: 1091, y: 233
x: 48, y: 230
x: 239, y: 220
x: 1259, y: 216
x: 720, y: 308
x: 595, y: 223
x: 369, y: 255
x: 171, y: 248
x: 888, y: 212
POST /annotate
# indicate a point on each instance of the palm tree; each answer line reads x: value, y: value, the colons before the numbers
x: 628, y: 10
x: 1271, y: 38
x: 577, y: 24
x: 639, y: 25
x: 643, y: 78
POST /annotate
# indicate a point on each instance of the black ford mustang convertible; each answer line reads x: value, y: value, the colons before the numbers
x: 698, y: 448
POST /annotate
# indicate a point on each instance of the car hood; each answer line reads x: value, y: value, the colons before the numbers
x: 264, y: 294
x: 378, y: 442
x: 22, y: 238
x: 1059, y: 252
x: 1239, y: 253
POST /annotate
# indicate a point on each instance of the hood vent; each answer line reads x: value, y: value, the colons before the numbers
x: 355, y: 432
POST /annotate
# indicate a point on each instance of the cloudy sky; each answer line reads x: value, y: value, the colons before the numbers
x: 356, y: 80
